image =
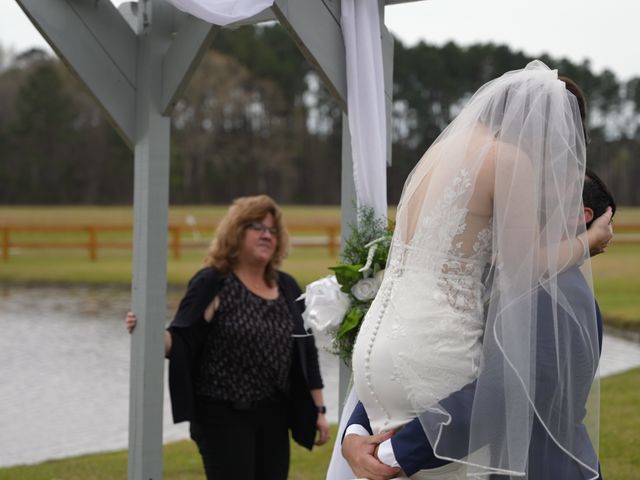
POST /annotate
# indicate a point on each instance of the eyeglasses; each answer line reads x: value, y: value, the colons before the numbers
x: 259, y: 227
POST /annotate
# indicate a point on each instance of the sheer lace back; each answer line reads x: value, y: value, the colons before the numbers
x: 444, y: 228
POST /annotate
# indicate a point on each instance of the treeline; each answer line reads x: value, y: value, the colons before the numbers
x: 256, y: 119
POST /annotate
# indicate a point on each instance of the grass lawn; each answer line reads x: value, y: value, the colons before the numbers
x: 619, y: 448
x: 181, y: 462
x: 620, y: 426
x: 616, y: 277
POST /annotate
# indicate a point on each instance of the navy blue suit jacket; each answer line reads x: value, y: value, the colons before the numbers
x: 546, y: 461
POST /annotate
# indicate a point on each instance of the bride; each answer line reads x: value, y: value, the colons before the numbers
x: 488, y: 221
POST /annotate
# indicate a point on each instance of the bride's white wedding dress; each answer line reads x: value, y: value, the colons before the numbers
x: 421, y: 339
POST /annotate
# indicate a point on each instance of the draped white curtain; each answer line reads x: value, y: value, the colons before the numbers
x: 365, y: 84
x: 366, y: 106
x: 222, y: 12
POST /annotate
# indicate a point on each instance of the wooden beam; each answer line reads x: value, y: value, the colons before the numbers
x: 96, y: 43
x: 183, y: 57
x: 315, y: 28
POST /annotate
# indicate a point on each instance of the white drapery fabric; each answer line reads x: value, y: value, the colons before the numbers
x: 366, y: 105
x: 365, y: 84
x: 339, y: 469
x: 222, y: 12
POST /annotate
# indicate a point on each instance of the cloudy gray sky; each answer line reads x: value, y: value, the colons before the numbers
x: 605, y: 33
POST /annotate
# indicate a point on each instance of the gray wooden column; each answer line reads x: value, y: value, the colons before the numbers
x: 348, y: 218
x: 151, y: 200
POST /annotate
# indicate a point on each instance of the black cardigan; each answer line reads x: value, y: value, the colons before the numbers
x: 189, y: 331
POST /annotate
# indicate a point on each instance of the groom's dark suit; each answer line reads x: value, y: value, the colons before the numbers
x: 546, y: 461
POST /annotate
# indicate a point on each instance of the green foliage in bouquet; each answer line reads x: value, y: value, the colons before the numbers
x: 368, y: 231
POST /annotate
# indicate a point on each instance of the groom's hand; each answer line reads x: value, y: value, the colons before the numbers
x: 359, y: 451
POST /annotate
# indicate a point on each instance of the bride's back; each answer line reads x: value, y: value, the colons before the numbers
x: 448, y: 200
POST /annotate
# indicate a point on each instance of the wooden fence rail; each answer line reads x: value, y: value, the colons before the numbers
x: 319, y: 235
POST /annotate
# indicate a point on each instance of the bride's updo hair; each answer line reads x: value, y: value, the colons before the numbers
x: 494, y: 111
x: 582, y: 102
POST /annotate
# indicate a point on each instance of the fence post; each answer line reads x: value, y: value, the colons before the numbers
x: 5, y: 244
x: 175, y: 241
x: 333, y: 244
x: 93, y: 243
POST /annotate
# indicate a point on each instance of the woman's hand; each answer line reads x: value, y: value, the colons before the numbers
x: 323, y: 429
x: 130, y: 322
x: 321, y: 423
x: 600, y: 233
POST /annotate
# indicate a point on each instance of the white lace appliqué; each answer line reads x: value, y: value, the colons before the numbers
x: 438, y: 247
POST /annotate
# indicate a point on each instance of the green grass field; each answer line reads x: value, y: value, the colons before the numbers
x: 619, y: 448
x: 616, y: 279
x: 181, y: 462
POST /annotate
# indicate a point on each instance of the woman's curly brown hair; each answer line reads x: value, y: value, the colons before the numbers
x: 225, y: 246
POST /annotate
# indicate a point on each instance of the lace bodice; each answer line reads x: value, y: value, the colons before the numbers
x: 452, y: 245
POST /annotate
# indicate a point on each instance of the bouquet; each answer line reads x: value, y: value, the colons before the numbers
x: 338, y: 303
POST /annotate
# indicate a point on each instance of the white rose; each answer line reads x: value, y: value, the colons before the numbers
x: 366, y: 289
x: 325, y: 304
x: 379, y: 276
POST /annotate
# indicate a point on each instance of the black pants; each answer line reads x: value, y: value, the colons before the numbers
x: 242, y: 443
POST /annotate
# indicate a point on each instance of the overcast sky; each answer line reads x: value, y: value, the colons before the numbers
x: 605, y: 33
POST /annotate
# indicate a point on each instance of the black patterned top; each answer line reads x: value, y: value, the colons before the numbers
x: 247, y: 354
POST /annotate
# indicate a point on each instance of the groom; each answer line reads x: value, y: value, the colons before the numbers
x: 384, y: 456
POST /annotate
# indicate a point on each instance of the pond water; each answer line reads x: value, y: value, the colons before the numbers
x: 64, y: 374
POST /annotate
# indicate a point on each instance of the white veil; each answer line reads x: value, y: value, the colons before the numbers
x: 519, y: 147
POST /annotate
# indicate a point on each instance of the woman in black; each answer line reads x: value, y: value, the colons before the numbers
x: 242, y: 369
